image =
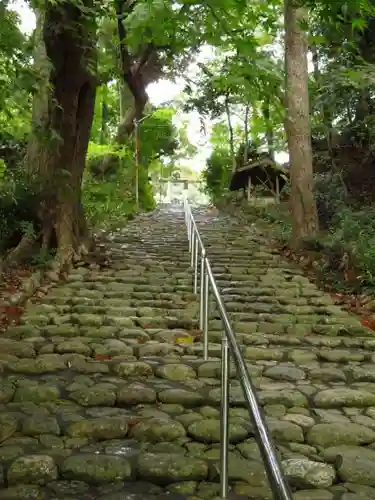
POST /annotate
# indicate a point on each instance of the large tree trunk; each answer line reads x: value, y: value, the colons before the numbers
x: 59, y: 153
x: 305, y: 221
x: 135, y: 97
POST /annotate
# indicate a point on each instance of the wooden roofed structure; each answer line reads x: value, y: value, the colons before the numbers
x: 262, y: 171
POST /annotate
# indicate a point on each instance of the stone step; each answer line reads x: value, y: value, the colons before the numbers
x: 105, y: 395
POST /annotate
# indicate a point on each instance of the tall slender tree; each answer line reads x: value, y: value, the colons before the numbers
x: 303, y: 206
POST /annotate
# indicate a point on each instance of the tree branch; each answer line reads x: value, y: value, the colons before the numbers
x: 144, y: 58
x: 125, y: 57
x: 132, y: 79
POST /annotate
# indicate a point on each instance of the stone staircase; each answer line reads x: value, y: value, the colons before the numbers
x: 312, y: 363
x: 104, y: 394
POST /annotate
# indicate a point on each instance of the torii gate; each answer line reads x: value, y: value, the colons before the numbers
x: 170, y: 181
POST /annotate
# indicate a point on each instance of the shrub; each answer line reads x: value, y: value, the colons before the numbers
x: 109, y: 186
x: 217, y: 174
x: 331, y: 197
x: 355, y: 230
x: 278, y: 215
x: 17, y: 198
x: 12, y: 150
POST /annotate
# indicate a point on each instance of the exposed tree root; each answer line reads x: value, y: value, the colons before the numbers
x: 68, y: 257
x: 67, y: 242
x: 23, y: 251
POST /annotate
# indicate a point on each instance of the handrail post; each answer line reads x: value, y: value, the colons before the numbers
x: 205, y: 311
x: 193, y: 245
x: 189, y: 231
x: 224, y: 412
x: 201, y: 299
x: 196, y: 268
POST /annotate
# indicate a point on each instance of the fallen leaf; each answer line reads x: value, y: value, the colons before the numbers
x: 184, y: 340
x: 133, y: 421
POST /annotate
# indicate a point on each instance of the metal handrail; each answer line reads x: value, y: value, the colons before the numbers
x: 229, y: 347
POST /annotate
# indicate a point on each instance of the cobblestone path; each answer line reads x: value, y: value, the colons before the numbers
x: 101, y: 398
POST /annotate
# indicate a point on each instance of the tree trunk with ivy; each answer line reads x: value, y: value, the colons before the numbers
x: 42, y: 68
x: 303, y: 206
x: 59, y: 147
x: 138, y: 71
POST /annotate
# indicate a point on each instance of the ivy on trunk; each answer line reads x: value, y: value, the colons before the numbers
x: 59, y: 148
x: 138, y: 71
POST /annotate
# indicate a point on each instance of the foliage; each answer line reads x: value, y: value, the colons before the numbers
x: 217, y: 173
x: 16, y: 77
x: 229, y: 85
x: 273, y: 214
x: 185, y: 148
x: 354, y: 230
x: 17, y: 197
x: 351, y: 231
x: 110, y: 203
x: 109, y: 187
x: 12, y: 150
x: 106, y: 115
x: 331, y: 197
x: 251, y: 94
x: 110, y: 198
x: 158, y: 136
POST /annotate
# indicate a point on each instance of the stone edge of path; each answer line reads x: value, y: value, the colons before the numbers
x: 236, y: 212
x: 47, y: 277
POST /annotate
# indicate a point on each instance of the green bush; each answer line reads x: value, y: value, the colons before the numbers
x: 355, y: 231
x: 217, y: 174
x: 17, y: 198
x: 109, y: 191
x: 108, y: 202
x: 348, y: 227
x: 12, y: 150
x: 277, y: 215
x: 331, y: 197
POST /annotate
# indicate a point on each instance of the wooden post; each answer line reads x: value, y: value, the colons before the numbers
x: 248, y: 188
x: 277, y: 189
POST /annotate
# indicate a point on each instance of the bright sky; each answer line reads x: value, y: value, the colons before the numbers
x: 160, y: 92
